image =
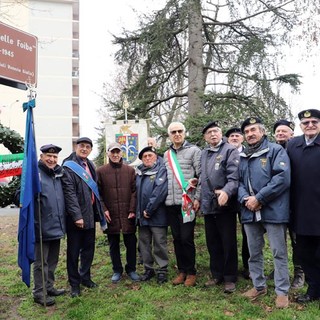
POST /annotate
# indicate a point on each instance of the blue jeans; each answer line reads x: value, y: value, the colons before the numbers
x: 277, y: 239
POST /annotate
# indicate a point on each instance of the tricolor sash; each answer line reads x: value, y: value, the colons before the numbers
x: 83, y: 174
x: 187, y: 211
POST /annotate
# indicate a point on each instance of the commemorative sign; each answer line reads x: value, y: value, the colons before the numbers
x: 18, y: 57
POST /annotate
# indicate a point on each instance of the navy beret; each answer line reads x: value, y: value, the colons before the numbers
x: 210, y: 125
x: 147, y: 149
x: 84, y: 140
x: 50, y: 148
x: 283, y: 122
x: 250, y: 121
x: 233, y: 130
x: 310, y: 113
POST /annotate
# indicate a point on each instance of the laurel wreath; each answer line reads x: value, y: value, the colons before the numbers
x: 14, y: 143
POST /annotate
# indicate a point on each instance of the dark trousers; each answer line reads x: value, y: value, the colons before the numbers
x: 130, y: 242
x: 80, y: 245
x: 308, y: 252
x: 221, y: 237
x: 183, y: 240
x: 245, y: 255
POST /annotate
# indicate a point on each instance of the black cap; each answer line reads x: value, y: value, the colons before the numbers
x: 283, y: 122
x: 310, y: 113
x: 233, y: 130
x: 147, y: 149
x: 250, y: 121
x: 50, y: 148
x: 211, y: 124
x: 84, y: 140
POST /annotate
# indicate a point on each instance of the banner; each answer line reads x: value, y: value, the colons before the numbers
x: 11, y: 165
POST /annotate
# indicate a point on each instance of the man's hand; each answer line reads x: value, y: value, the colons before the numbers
x: 107, y: 215
x: 131, y: 215
x: 196, y: 205
x: 222, y: 197
x: 146, y: 215
x: 79, y: 223
x: 252, y: 203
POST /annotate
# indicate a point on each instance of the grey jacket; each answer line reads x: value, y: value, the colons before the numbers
x: 188, y: 156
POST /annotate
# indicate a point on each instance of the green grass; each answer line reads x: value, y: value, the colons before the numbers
x: 141, y: 301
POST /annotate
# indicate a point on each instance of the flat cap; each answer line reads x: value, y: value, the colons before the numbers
x: 283, y: 122
x: 147, y: 149
x: 114, y: 145
x: 50, y: 148
x: 211, y: 124
x: 84, y: 140
x: 249, y: 122
x: 233, y: 130
x: 310, y: 113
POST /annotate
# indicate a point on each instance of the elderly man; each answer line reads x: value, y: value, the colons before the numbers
x: 219, y: 186
x: 264, y: 181
x: 235, y: 138
x: 182, y: 161
x: 304, y: 154
x: 83, y: 210
x: 283, y: 132
x: 151, y: 215
x: 117, y: 187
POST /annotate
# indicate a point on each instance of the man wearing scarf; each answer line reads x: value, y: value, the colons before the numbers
x: 264, y: 182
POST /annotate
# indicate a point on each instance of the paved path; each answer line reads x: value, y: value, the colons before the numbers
x: 8, y: 211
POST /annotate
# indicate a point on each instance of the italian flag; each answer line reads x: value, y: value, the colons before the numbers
x: 11, y: 165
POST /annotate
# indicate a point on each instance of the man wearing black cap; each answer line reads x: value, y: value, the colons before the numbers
x: 219, y: 185
x: 83, y: 210
x: 235, y: 138
x: 52, y: 215
x: 264, y: 182
x: 304, y: 153
x: 151, y: 215
x: 283, y: 132
x: 117, y: 187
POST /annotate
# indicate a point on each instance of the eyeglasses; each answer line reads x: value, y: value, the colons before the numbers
x: 176, y: 131
x: 306, y: 123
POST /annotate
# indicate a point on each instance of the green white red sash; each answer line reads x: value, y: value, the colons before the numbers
x: 187, y: 211
x: 11, y: 165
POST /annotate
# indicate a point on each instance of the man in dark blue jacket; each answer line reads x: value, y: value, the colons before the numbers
x: 152, y: 189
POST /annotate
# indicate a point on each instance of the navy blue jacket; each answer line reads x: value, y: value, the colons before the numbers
x: 152, y: 190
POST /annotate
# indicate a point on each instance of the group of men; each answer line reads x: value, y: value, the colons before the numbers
x: 268, y: 185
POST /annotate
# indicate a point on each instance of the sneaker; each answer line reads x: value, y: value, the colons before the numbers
x: 148, y: 274
x: 162, y: 278
x: 229, y: 287
x: 282, y: 302
x: 116, y: 277
x: 134, y: 276
x: 179, y: 279
x: 190, y: 280
x: 298, y: 281
x: 212, y: 282
x: 253, y: 293
x: 49, y: 301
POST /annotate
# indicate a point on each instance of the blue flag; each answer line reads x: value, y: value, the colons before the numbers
x: 30, y: 187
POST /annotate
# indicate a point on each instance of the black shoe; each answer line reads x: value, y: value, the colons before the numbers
x: 75, y: 292
x: 148, y: 274
x: 246, y: 274
x: 162, y: 278
x: 306, y: 298
x: 49, y: 300
x: 56, y: 292
x: 89, y: 284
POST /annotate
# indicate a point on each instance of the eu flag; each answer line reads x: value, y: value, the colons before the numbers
x: 30, y: 187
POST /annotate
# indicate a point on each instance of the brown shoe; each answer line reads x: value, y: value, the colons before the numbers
x: 190, y: 280
x: 212, y: 282
x: 229, y: 287
x: 253, y: 293
x: 282, y: 302
x: 179, y: 279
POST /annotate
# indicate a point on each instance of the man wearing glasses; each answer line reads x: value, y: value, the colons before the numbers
x: 304, y: 153
x: 182, y: 161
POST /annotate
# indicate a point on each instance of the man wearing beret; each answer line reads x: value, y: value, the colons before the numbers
x: 117, y: 187
x: 304, y: 154
x: 83, y: 210
x: 52, y: 215
x: 183, y: 200
x: 219, y: 186
x: 283, y: 131
x: 264, y: 182
x: 151, y: 215
x: 235, y: 138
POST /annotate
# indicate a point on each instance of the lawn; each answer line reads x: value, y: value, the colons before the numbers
x: 143, y: 301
